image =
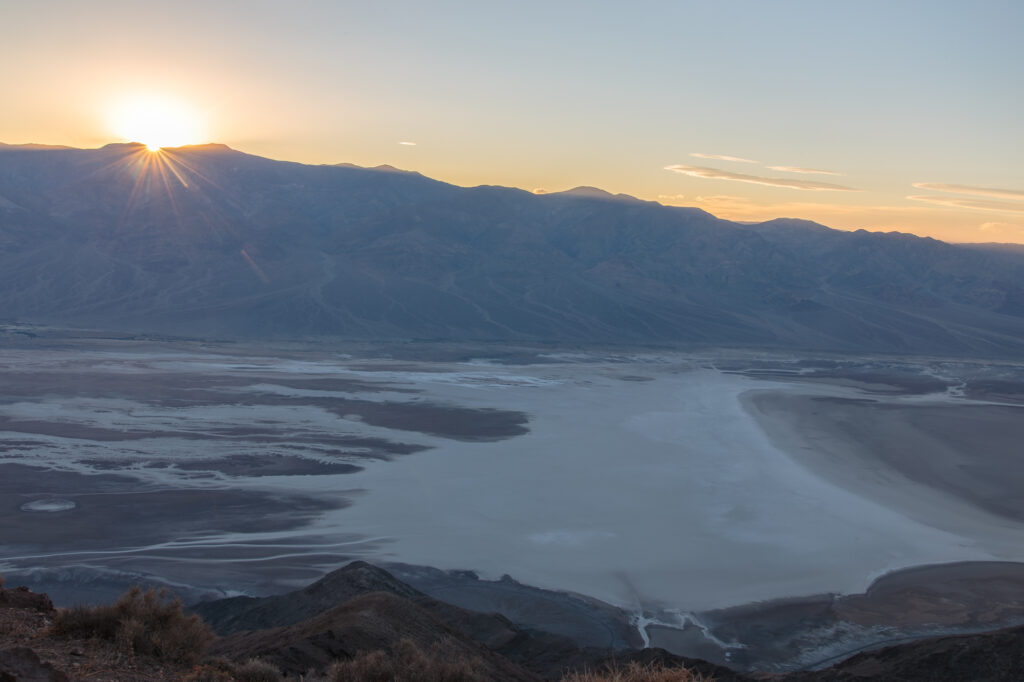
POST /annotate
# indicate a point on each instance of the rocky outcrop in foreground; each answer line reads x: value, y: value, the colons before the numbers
x: 360, y: 616
x: 362, y: 608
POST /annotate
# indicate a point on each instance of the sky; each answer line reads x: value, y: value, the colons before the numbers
x: 895, y: 115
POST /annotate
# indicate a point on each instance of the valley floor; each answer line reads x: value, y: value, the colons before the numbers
x: 698, y: 493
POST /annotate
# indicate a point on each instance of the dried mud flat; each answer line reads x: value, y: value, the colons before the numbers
x: 692, y: 492
x: 124, y: 463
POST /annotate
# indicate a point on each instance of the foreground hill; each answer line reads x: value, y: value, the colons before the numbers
x: 209, y: 241
x: 366, y: 608
x: 380, y: 621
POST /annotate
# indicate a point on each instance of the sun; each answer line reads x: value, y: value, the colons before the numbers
x: 156, y: 121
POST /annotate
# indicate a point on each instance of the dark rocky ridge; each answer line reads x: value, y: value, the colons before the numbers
x: 369, y: 619
x: 362, y: 607
x: 990, y: 657
x: 375, y: 608
x: 369, y: 622
x: 209, y: 241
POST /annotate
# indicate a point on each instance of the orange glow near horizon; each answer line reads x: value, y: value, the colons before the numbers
x: 156, y: 121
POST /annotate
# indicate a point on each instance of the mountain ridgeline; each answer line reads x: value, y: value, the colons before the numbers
x: 208, y: 241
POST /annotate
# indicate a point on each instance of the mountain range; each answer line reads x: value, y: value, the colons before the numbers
x: 212, y: 242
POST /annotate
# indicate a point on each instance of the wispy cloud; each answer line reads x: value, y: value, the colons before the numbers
x: 972, y: 190
x: 407, y: 144
x: 837, y: 215
x: 806, y: 171
x: 917, y: 218
x: 716, y: 174
x: 972, y: 204
x: 744, y: 208
x: 1009, y: 228
x: 720, y: 157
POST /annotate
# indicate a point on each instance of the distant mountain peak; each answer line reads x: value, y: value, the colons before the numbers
x: 790, y: 222
x: 382, y: 168
x: 205, y: 147
x: 33, y: 145
x: 122, y: 145
x: 587, y: 192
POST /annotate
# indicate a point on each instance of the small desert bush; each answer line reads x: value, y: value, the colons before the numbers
x: 209, y: 672
x: 223, y: 670
x: 636, y: 672
x: 406, y: 663
x: 142, y: 622
x: 255, y: 670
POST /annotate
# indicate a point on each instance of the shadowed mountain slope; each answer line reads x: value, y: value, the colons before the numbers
x: 372, y: 622
x: 374, y: 611
x: 234, y: 614
x: 361, y: 608
x: 542, y: 653
x: 206, y: 240
x: 989, y: 657
x: 385, y: 622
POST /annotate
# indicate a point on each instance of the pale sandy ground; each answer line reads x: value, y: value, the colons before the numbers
x: 935, y: 459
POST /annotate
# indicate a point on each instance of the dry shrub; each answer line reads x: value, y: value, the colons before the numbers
x: 214, y: 669
x: 223, y: 670
x: 15, y: 625
x: 255, y: 670
x: 636, y: 672
x: 143, y: 622
x: 407, y: 663
x: 208, y: 673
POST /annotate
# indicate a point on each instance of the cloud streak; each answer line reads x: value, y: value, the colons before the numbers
x: 1001, y: 227
x: 716, y: 174
x: 972, y: 190
x: 720, y: 157
x: 973, y: 204
x: 744, y: 208
x: 407, y: 144
x: 806, y: 171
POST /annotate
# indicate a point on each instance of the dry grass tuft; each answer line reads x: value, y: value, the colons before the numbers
x: 223, y: 670
x: 406, y: 663
x: 636, y: 672
x: 209, y: 672
x: 255, y: 670
x: 140, y: 622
